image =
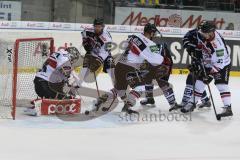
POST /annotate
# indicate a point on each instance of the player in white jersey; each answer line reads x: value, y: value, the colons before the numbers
x: 217, y: 64
x: 141, y: 62
x: 51, y: 78
x: 97, y: 42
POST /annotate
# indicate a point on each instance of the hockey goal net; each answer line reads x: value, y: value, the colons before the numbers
x: 19, y: 61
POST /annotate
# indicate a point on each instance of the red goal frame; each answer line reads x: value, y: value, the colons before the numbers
x: 15, y: 67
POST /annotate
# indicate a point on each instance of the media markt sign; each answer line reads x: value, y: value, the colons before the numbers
x: 174, y: 18
x: 10, y: 11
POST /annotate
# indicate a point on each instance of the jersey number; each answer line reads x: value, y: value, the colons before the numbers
x: 220, y: 61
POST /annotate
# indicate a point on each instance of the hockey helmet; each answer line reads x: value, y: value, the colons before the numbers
x: 98, y: 21
x: 207, y: 27
x: 74, y: 54
x: 151, y: 28
x: 98, y: 25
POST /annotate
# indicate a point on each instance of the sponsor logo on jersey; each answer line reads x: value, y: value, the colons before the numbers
x: 220, y: 52
x: 154, y: 49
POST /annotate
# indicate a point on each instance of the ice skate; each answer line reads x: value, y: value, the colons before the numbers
x: 227, y: 111
x: 127, y: 110
x: 189, y: 107
x: 148, y: 101
x: 31, y: 111
x: 174, y: 107
x: 206, y: 105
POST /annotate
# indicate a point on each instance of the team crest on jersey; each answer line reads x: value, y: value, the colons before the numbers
x: 103, y: 38
x: 154, y: 49
x: 214, y: 45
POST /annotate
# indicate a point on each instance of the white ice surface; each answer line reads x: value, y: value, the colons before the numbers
x: 109, y: 137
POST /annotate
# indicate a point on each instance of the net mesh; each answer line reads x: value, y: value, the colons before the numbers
x: 31, y: 55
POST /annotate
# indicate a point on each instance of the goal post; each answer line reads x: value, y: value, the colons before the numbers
x: 18, y: 69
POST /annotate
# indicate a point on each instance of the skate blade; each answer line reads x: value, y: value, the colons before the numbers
x: 227, y: 118
x: 175, y: 111
x: 149, y: 106
x: 204, y: 109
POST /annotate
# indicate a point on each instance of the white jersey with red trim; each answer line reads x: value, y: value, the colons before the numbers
x: 103, y: 42
x: 215, y: 53
x: 141, y: 48
x: 57, y: 67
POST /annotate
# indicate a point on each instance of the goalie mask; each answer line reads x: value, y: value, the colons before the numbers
x: 74, y: 54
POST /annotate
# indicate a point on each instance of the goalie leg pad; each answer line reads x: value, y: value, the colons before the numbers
x: 44, y: 89
x: 52, y: 106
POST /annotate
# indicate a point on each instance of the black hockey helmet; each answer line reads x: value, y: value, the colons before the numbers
x: 98, y: 21
x: 150, y: 28
x: 207, y: 26
x: 74, y: 54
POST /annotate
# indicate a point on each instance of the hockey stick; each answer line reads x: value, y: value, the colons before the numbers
x: 194, y: 81
x: 194, y: 78
x: 209, y: 89
x: 87, y: 112
x: 105, y: 109
x: 96, y: 84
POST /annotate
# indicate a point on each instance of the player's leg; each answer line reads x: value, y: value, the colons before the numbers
x: 188, y: 90
x: 44, y: 89
x: 199, y: 89
x: 131, y: 99
x: 169, y: 94
x: 205, y: 101
x: 149, y: 100
x: 108, y: 67
x: 85, y: 70
x: 221, y: 81
x: 120, y: 85
x: 159, y: 73
x: 90, y: 64
x: 188, y: 93
x: 198, y: 93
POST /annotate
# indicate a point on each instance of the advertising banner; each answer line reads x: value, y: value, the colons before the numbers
x: 10, y: 10
x: 175, y: 18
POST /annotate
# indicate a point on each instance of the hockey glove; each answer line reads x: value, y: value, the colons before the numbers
x: 108, y: 64
x: 95, y: 64
x: 194, y: 67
